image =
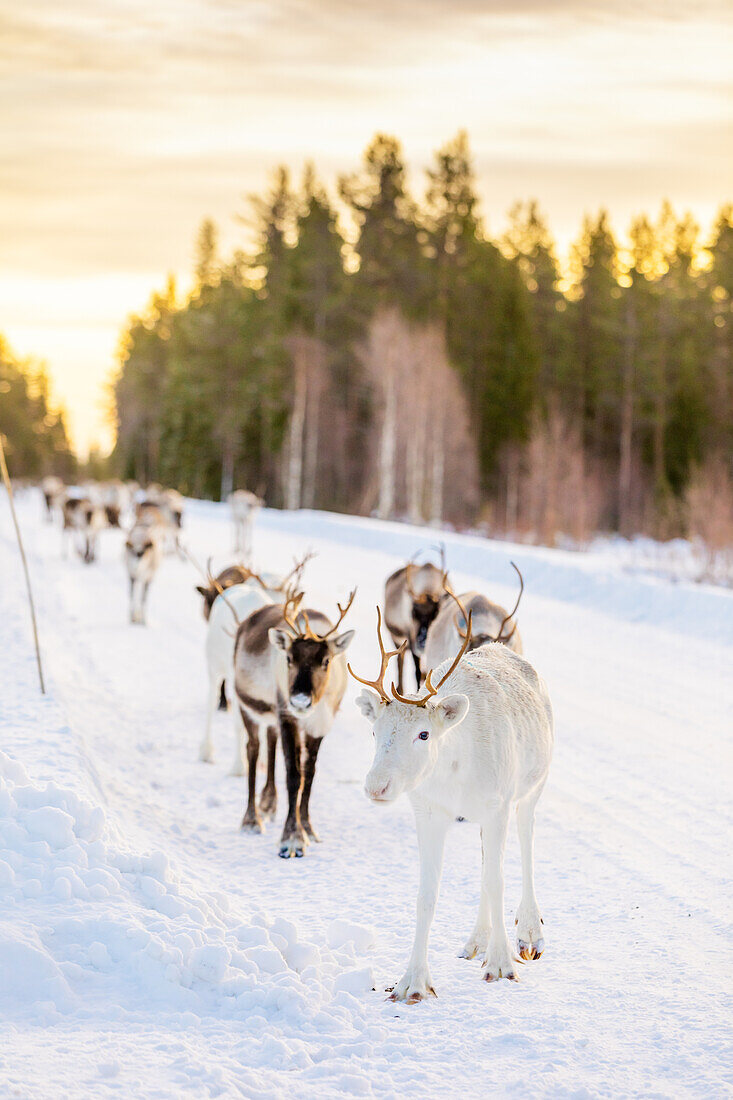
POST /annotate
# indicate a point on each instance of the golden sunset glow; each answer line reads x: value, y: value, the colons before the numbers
x: 125, y: 123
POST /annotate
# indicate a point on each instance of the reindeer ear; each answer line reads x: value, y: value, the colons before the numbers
x: 202, y: 591
x: 279, y: 638
x: 450, y: 710
x: 341, y: 643
x: 368, y: 703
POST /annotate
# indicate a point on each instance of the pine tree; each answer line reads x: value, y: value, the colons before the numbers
x: 391, y: 262
x: 37, y: 442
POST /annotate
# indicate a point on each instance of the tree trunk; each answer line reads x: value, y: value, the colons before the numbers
x: 388, y: 448
x: 316, y: 383
x: 311, y: 455
x: 416, y: 469
x: 660, y: 404
x: 512, y: 491
x: 436, y: 475
x: 627, y: 422
x: 227, y: 469
x: 295, y: 436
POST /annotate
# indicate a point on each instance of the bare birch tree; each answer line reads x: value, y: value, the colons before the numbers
x: 301, y: 456
x: 423, y: 419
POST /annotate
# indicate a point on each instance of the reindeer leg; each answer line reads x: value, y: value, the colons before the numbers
x: 400, y: 667
x: 416, y: 984
x: 530, y: 937
x: 268, y: 798
x: 223, y: 701
x: 251, y: 822
x: 206, y: 749
x: 293, y: 839
x: 135, y: 613
x: 237, y: 767
x: 418, y: 671
x: 478, y: 941
x: 499, y: 962
x: 312, y: 745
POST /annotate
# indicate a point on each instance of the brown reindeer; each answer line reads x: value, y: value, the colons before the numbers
x: 412, y: 598
x: 233, y: 574
x: 81, y: 517
x: 289, y: 671
x: 52, y: 488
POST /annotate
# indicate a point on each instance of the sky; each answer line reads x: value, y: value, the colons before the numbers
x: 124, y: 123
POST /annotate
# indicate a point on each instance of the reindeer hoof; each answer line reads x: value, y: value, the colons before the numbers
x: 529, y: 951
x: 474, y: 946
x: 251, y: 824
x: 413, y: 988
x: 292, y: 849
x: 312, y: 834
x: 507, y: 972
x: 414, y: 998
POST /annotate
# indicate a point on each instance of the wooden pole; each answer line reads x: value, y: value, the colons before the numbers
x: 9, y: 487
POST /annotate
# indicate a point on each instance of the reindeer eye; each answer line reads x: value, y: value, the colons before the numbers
x: 423, y: 735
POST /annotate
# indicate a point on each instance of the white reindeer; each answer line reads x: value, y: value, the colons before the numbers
x: 244, y: 506
x: 143, y: 555
x: 474, y: 749
x: 491, y: 623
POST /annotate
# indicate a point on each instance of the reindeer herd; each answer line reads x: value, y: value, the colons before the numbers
x: 473, y: 742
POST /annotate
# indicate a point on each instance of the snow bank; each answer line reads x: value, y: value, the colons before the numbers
x: 594, y: 580
x: 100, y: 909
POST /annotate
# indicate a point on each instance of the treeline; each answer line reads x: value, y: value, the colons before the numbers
x: 380, y: 353
x: 35, y: 433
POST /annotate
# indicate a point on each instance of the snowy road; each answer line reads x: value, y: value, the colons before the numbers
x: 149, y: 949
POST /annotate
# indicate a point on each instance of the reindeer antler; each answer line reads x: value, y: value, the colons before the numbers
x: 249, y: 575
x: 461, y: 606
x: 434, y: 689
x: 293, y: 600
x: 310, y: 633
x: 386, y: 656
x: 213, y: 582
x: 292, y: 579
x: 343, y: 611
x: 440, y: 547
x: 500, y: 637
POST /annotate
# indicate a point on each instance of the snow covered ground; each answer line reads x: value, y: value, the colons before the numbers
x: 149, y: 949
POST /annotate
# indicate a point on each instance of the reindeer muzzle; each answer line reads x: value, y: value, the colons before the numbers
x: 300, y: 702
